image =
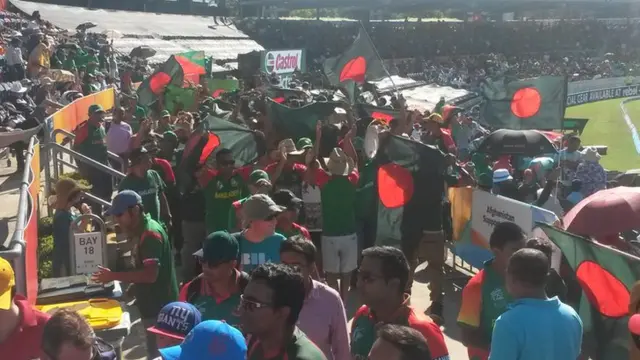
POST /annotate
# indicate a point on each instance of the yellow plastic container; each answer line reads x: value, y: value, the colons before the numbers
x: 100, y: 313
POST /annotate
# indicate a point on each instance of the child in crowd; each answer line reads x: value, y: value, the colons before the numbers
x: 175, y: 321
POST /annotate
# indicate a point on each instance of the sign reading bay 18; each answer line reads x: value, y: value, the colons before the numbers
x: 283, y: 63
x: 88, y: 252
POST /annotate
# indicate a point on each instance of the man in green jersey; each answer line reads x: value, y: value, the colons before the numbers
x: 90, y: 141
x: 485, y: 297
x: 221, y: 187
x: 216, y: 292
x: 148, y: 184
x: 269, y: 310
x: 154, y: 275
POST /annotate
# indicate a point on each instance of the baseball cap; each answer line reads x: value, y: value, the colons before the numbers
x: 219, y: 247
x: 123, y: 201
x: 304, y: 144
x: 7, y: 282
x: 170, y: 136
x: 95, y: 108
x: 209, y: 340
x: 260, y: 207
x: 176, y: 320
x: 140, y: 113
x: 258, y: 175
x: 287, y: 199
x: 165, y: 113
x: 136, y: 155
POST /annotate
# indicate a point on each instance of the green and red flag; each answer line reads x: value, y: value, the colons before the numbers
x: 603, y: 278
x: 217, y: 87
x: 529, y: 104
x: 409, y: 182
x: 179, y: 70
x: 379, y: 113
x: 299, y: 122
x: 359, y: 62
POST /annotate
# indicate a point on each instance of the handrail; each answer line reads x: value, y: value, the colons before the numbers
x: 17, y: 243
x: 96, y: 199
x: 71, y: 135
x: 86, y: 160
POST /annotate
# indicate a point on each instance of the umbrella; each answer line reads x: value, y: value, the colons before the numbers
x: 113, y: 34
x: 516, y: 142
x: 142, y: 51
x: 605, y: 213
x: 85, y: 26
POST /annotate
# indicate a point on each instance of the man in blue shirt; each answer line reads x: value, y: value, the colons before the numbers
x: 535, y: 327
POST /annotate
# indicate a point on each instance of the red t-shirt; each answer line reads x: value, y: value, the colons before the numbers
x: 169, y: 177
x: 25, y: 341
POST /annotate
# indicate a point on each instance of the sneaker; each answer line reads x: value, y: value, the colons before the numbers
x: 435, y: 312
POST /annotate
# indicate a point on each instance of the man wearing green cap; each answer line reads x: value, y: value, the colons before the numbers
x: 216, y: 292
x: 90, y: 141
x: 259, y: 183
x: 164, y: 124
x: 167, y: 147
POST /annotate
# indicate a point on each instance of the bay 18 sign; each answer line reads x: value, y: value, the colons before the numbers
x: 283, y: 63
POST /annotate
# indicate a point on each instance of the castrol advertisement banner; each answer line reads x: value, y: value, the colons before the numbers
x: 283, y: 63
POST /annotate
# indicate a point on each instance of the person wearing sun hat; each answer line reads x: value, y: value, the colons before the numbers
x: 209, y: 340
x: 175, y: 321
x: 259, y: 183
x: 21, y: 324
x: 287, y: 173
x: 67, y: 194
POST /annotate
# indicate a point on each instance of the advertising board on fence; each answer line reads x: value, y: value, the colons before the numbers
x: 474, y: 215
x: 72, y: 115
x: 602, y: 94
x: 283, y: 63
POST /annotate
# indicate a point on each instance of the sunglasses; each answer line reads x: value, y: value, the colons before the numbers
x: 250, y: 305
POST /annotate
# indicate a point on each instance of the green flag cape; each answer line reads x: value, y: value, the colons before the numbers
x: 359, y: 62
x: 299, y: 122
x: 599, y: 289
x: 530, y: 104
x: 409, y: 182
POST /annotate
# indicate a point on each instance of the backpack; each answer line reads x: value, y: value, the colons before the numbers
x: 194, y: 286
x: 103, y: 350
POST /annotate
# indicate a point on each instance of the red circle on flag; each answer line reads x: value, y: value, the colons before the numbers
x: 217, y: 93
x: 605, y: 292
x: 395, y: 185
x: 158, y: 82
x: 354, y: 70
x: 526, y: 102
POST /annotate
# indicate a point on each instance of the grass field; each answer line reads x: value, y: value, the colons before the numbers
x: 607, y: 127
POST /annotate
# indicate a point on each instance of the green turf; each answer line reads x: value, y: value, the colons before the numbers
x: 607, y: 127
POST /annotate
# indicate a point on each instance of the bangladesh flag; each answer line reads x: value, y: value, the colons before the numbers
x: 359, y: 62
x: 217, y: 87
x: 379, y: 113
x: 179, y: 70
x: 213, y: 134
x: 603, y: 278
x: 409, y: 181
x: 529, y: 104
x: 299, y: 122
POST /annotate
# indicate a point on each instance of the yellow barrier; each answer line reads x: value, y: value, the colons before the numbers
x: 74, y: 114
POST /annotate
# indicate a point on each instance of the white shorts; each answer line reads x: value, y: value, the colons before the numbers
x: 340, y: 253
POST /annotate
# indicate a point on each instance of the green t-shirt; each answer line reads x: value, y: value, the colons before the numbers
x: 154, y: 247
x: 90, y: 141
x: 495, y: 299
x: 149, y: 188
x: 338, y: 194
x: 299, y: 348
x: 365, y: 195
x: 69, y: 64
x: 219, y: 197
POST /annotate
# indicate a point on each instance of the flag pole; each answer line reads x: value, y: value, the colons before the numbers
x: 378, y: 55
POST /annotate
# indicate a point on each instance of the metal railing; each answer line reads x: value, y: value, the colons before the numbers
x: 57, y: 148
x: 69, y: 137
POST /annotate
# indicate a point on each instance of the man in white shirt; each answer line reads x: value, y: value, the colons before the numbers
x: 14, y: 60
x: 118, y: 138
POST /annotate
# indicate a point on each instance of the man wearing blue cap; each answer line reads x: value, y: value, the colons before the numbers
x: 210, y: 340
x: 175, y: 321
x: 154, y: 275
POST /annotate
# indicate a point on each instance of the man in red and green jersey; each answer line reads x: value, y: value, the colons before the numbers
x: 154, y: 275
x: 216, y: 292
x: 222, y: 187
x: 286, y: 220
x: 382, y: 280
x: 148, y: 184
x: 259, y: 183
x: 90, y: 141
x: 485, y: 297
